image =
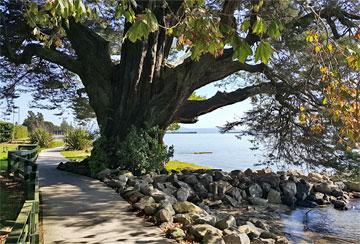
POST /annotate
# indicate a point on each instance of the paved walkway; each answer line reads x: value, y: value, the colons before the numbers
x: 78, y: 209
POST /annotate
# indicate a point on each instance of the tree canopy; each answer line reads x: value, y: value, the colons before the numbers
x: 139, y: 61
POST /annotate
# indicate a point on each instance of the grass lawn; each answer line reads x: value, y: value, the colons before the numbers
x: 58, y: 143
x: 75, y: 155
x: 178, y: 166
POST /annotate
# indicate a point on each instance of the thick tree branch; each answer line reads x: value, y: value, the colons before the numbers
x: 38, y: 50
x: 189, y: 112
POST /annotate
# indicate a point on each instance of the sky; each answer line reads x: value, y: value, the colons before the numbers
x: 216, y: 118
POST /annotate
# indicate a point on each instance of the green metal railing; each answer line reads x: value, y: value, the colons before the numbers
x: 26, y: 227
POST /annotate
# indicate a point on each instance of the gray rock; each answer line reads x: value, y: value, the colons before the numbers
x: 146, y: 189
x: 183, y: 194
x: 235, y: 193
x: 255, y: 190
x: 211, y: 238
x: 160, y: 178
x: 168, y: 206
x: 150, y: 209
x: 251, y: 230
x: 236, y: 238
x: 353, y: 186
x: 274, y: 196
x: 185, y: 219
x: 289, y: 192
x: 226, y: 222
x: 205, y: 179
x: 166, y: 187
x: 158, y: 195
x: 200, y: 190
x: 190, y: 179
x: 103, y: 173
x: 340, y: 205
x: 143, y: 202
x: 165, y: 216
x: 271, y: 178
x: 303, y: 190
x: 325, y: 187
x: 221, y: 175
x: 266, y: 187
x: 199, y: 231
x: 133, y: 196
x: 231, y: 201
x: 187, y: 207
x: 207, y: 219
x: 337, y: 193
x: 258, y: 201
x: 177, y: 233
x: 219, y: 188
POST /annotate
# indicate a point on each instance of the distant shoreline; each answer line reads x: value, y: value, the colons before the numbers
x: 179, y: 132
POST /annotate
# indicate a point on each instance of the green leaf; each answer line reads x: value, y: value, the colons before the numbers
x: 151, y: 21
x: 259, y: 27
x: 275, y: 29
x: 263, y: 52
x: 137, y: 31
x: 242, y: 51
x: 245, y: 25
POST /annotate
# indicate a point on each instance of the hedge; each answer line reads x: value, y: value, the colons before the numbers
x: 6, y: 130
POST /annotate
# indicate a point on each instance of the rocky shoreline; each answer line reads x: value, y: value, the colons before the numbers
x: 213, y: 206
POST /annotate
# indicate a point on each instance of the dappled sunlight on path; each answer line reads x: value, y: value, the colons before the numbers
x: 78, y: 209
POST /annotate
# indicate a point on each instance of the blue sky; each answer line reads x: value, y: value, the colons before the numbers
x: 216, y: 118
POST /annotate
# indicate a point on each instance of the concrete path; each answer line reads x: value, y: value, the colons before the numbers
x: 78, y: 209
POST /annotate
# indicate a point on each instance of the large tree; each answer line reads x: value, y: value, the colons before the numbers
x: 126, y: 54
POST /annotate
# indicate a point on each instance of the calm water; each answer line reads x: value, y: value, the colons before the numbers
x: 227, y: 151
x: 324, y: 224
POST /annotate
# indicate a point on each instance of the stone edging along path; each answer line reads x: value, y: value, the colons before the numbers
x: 78, y: 209
x: 212, y: 206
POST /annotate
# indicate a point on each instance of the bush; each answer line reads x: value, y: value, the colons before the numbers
x: 41, y: 137
x: 20, y: 132
x: 77, y: 139
x: 6, y: 130
x: 142, y: 151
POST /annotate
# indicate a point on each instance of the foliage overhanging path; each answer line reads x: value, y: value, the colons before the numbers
x: 78, y: 209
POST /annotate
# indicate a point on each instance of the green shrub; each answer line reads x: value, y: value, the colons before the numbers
x: 41, y: 137
x: 6, y: 130
x: 77, y: 139
x: 142, y: 151
x: 20, y: 132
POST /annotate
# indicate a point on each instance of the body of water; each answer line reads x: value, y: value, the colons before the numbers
x: 223, y: 151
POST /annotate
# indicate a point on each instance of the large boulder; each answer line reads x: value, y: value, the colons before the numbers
x: 316, y: 177
x: 183, y: 194
x: 187, y: 207
x: 226, y: 223
x: 103, y: 173
x: 185, y: 219
x: 340, y: 205
x: 205, y: 179
x: 258, y: 201
x: 211, y: 238
x: 190, y: 179
x: 274, y: 196
x: 255, y: 190
x: 270, y: 178
x: 200, y: 190
x: 251, y: 230
x: 352, y: 185
x: 303, y: 190
x: 235, y: 193
x: 164, y: 216
x: 221, y: 175
x: 289, y: 192
x: 143, y: 202
x: 219, y: 188
x: 236, y: 238
x: 166, y: 187
x: 199, y: 231
x: 231, y: 201
x: 325, y: 187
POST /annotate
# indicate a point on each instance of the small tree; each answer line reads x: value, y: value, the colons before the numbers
x: 77, y: 139
x: 6, y: 130
x: 20, y: 132
x: 41, y: 137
